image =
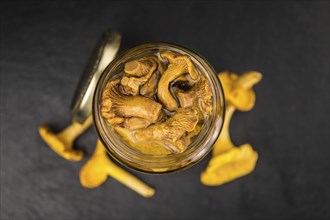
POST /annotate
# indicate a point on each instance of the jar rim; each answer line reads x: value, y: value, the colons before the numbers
x: 197, y: 150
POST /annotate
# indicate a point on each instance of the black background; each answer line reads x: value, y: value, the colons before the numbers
x: 44, y: 47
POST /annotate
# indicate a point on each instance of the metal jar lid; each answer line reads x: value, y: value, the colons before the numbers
x: 104, y: 52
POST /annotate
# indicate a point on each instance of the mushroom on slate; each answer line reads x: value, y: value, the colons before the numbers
x: 238, y: 89
x: 230, y: 162
x: 62, y: 142
x: 99, y: 167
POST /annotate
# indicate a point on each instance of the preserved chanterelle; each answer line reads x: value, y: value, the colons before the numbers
x: 158, y: 104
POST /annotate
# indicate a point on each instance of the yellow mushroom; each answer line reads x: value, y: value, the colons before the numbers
x: 135, y: 123
x: 178, y: 65
x: 239, y: 95
x: 150, y: 87
x: 199, y: 94
x: 168, y: 134
x: 116, y: 106
x: 238, y: 89
x: 228, y: 166
x: 138, y: 72
x: 191, y: 135
x: 230, y: 162
x: 138, y: 67
x: 99, y: 167
x: 62, y: 143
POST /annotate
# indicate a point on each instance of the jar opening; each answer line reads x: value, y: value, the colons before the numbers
x: 200, y: 145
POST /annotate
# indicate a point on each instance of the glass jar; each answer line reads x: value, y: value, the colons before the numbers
x: 133, y: 158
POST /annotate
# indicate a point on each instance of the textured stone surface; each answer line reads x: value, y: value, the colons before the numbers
x: 44, y: 48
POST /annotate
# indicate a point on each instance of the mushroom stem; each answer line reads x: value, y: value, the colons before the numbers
x: 139, y: 106
x: 136, y: 123
x: 62, y: 142
x: 99, y: 166
x: 224, y: 142
x: 149, y: 88
x: 129, y: 180
x: 173, y: 71
x: 178, y: 65
x: 69, y: 134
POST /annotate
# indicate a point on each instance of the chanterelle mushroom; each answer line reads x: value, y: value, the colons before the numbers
x: 138, y: 67
x: 167, y: 134
x: 137, y: 73
x: 239, y: 95
x: 62, y: 142
x: 99, y: 167
x: 178, y: 65
x: 116, y: 106
x: 200, y: 94
x: 185, y: 82
x: 230, y: 162
x: 228, y: 166
x: 132, y: 103
x: 238, y: 89
x: 136, y: 123
x: 149, y: 88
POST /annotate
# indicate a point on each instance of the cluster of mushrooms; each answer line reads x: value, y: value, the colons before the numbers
x: 228, y: 161
x: 158, y: 104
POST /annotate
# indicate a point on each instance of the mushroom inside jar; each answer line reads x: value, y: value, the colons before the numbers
x: 158, y: 104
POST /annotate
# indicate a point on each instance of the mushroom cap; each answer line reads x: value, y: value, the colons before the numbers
x: 94, y: 173
x: 238, y: 89
x: 60, y: 145
x: 137, y: 73
x: 137, y: 67
x: 228, y: 166
x: 183, y: 61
